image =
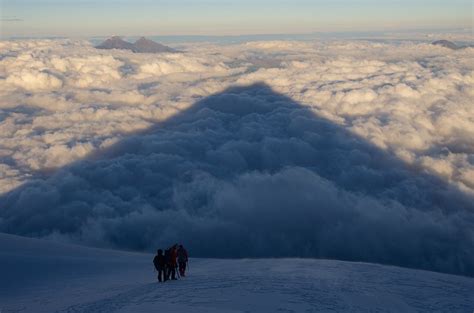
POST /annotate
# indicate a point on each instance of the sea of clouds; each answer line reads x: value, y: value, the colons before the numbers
x: 351, y: 150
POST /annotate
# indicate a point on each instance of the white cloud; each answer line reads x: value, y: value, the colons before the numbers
x: 349, y: 140
x: 177, y: 63
x: 34, y: 80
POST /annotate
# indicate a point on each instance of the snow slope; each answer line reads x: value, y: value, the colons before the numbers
x: 40, y: 276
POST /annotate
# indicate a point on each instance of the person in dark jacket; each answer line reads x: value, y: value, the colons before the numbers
x: 160, y: 265
x: 182, y: 260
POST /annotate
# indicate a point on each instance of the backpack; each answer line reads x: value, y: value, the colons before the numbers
x: 182, y: 255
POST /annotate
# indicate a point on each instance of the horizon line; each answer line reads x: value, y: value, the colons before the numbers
x: 465, y: 30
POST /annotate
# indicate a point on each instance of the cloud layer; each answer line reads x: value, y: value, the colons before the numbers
x: 347, y: 150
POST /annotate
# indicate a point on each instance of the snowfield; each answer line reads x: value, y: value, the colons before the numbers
x: 41, y: 276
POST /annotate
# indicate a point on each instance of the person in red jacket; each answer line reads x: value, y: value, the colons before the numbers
x: 172, y: 265
x: 182, y: 260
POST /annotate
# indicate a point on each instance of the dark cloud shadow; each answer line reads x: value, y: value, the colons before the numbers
x: 249, y: 172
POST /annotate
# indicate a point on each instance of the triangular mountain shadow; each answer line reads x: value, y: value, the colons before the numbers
x: 249, y: 172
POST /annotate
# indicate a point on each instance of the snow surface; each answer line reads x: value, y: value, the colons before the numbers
x: 41, y: 276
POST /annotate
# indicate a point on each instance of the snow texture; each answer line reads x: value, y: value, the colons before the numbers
x: 39, y: 276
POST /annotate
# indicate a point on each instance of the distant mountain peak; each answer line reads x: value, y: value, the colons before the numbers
x: 446, y: 44
x: 142, y: 45
x: 115, y: 42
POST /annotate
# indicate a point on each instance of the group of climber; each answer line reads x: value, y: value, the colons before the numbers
x: 166, y: 262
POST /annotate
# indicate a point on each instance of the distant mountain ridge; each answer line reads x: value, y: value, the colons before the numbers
x: 450, y: 45
x: 142, y: 45
x: 446, y: 44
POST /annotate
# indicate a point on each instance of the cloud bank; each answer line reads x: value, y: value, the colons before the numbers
x: 349, y: 150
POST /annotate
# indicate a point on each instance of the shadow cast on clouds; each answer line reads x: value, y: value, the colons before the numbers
x: 249, y: 172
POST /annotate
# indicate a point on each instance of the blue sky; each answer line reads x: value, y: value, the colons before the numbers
x: 225, y: 17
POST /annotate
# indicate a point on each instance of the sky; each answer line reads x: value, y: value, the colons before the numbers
x: 32, y: 18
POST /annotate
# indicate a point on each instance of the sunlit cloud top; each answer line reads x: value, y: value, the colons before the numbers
x: 225, y: 17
